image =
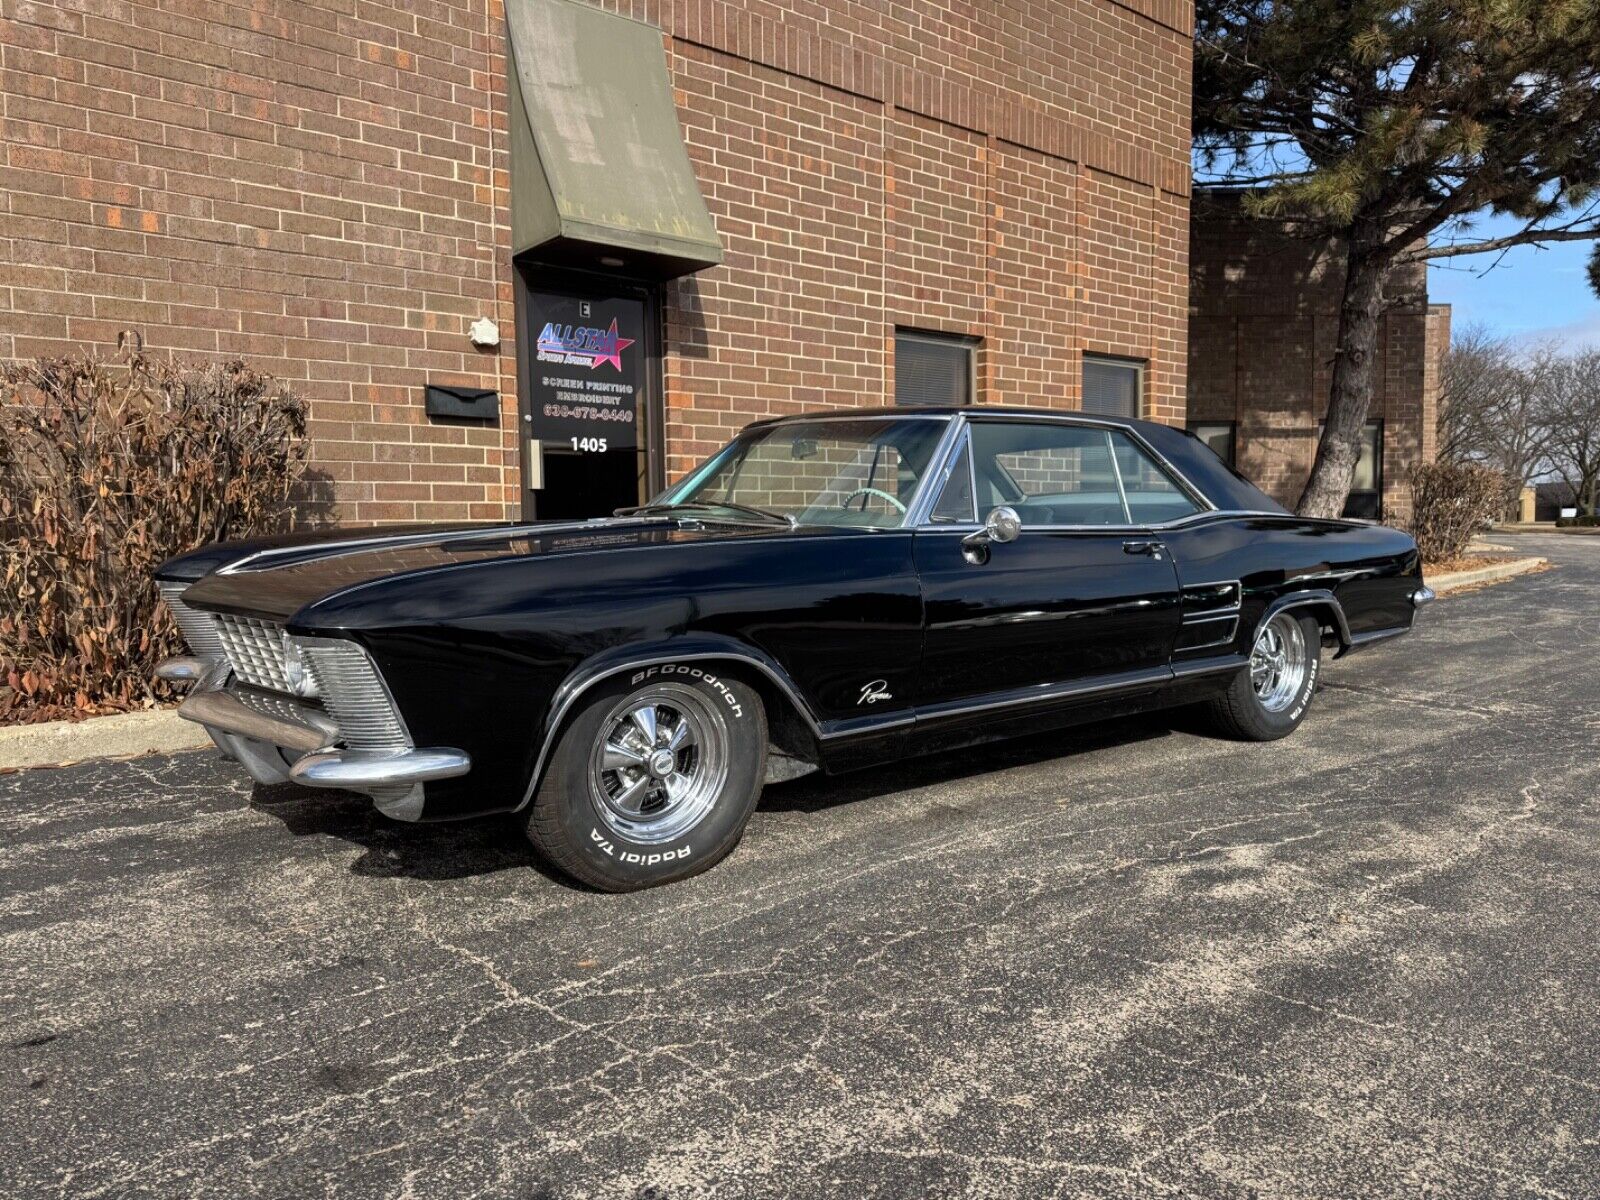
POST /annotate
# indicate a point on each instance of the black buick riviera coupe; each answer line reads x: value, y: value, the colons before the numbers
x: 826, y: 591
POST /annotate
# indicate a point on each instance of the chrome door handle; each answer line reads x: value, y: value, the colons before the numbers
x: 1153, y: 549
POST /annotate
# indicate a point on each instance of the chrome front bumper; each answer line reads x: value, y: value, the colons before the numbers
x: 1423, y: 595
x: 357, y: 771
x: 306, y: 740
x: 222, y: 710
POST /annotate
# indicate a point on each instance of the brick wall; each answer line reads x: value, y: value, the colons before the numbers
x: 1264, y: 308
x: 323, y: 188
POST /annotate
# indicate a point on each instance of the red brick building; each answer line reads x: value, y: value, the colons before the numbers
x: 1263, y: 316
x: 907, y: 198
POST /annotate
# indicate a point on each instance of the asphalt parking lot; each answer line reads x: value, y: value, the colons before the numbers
x: 1127, y: 961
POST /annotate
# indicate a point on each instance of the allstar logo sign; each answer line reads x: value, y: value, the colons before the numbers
x: 582, y: 345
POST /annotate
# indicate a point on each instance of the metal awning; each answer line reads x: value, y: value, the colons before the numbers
x: 598, y: 168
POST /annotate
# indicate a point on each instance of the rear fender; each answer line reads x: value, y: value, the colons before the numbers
x: 1319, y: 603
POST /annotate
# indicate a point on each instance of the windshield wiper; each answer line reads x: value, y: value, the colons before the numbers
x: 766, y: 514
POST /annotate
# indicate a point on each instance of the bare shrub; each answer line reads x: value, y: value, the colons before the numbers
x: 106, y: 469
x: 1449, y: 503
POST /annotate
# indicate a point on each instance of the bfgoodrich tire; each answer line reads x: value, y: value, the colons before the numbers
x: 653, y: 779
x: 1269, y: 698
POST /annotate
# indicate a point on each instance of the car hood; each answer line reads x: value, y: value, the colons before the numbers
x: 279, y: 581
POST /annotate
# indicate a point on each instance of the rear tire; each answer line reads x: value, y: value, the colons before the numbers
x: 653, y: 780
x: 1269, y: 698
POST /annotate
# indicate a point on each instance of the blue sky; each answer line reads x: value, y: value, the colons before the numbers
x: 1531, y: 295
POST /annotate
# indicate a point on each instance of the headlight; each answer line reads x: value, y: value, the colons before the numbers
x: 296, y: 670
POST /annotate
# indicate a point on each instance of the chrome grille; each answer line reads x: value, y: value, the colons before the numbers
x: 255, y: 651
x: 199, y: 629
x: 354, y: 695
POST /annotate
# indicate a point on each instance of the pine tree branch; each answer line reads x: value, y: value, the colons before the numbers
x: 1530, y: 236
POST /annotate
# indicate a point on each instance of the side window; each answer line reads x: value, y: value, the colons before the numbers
x: 1052, y: 474
x: 1219, y: 435
x: 955, y: 505
x: 1153, y: 495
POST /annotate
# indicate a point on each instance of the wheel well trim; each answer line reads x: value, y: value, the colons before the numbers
x: 1310, y: 598
x: 587, y: 675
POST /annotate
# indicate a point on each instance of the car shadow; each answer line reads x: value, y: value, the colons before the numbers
x: 397, y: 849
x: 464, y: 849
x: 817, y: 791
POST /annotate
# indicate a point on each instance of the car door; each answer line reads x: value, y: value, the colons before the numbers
x: 1085, y: 600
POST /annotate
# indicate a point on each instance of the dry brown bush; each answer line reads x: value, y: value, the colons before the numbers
x: 1449, y: 503
x: 106, y: 469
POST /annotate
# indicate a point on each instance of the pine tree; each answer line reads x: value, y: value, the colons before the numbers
x: 1394, y: 128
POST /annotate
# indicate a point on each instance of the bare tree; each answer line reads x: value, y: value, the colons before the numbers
x: 1519, y: 433
x: 1570, y: 402
x: 1477, y: 381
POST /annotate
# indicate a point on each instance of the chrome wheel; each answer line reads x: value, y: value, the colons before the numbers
x: 1278, y: 662
x: 659, y: 763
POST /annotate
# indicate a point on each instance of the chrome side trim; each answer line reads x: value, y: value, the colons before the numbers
x: 1048, y: 693
x: 1177, y: 523
x: 1362, y: 640
x: 1214, y: 665
x: 1212, y: 616
x: 401, y: 540
x: 1221, y: 610
x: 1222, y: 637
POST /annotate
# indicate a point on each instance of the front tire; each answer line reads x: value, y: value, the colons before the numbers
x: 1270, y: 697
x: 653, y: 780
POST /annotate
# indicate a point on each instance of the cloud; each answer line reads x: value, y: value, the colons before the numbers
x: 1582, y: 334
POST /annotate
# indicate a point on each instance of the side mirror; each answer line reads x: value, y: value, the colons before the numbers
x: 1001, y: 525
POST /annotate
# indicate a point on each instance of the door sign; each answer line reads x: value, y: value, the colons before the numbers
x: 588, y: 372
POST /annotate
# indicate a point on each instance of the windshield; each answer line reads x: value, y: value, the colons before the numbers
x: 828, y: 472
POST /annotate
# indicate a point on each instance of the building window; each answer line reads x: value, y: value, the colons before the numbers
x: 1365, y: 502
x: 1111, y: 386
x: 1219, y: 435
x: 931, y: 368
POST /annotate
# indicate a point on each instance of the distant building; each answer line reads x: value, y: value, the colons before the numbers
x: 1263, y: 316
x: 1550, y: 498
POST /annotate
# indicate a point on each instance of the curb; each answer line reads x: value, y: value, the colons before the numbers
x: 1455, y: 580
x: 122, y: 735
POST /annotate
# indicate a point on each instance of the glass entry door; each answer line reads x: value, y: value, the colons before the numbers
x: 588, y: 369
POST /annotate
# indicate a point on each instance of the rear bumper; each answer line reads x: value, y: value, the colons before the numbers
x: 1423, y: 595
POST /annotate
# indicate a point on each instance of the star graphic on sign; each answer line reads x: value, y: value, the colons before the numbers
x: 611, y: 347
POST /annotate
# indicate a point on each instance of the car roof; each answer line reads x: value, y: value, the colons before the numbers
x: 888, y: 412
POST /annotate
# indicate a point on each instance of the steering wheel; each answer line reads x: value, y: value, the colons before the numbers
x: 871, y: 491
